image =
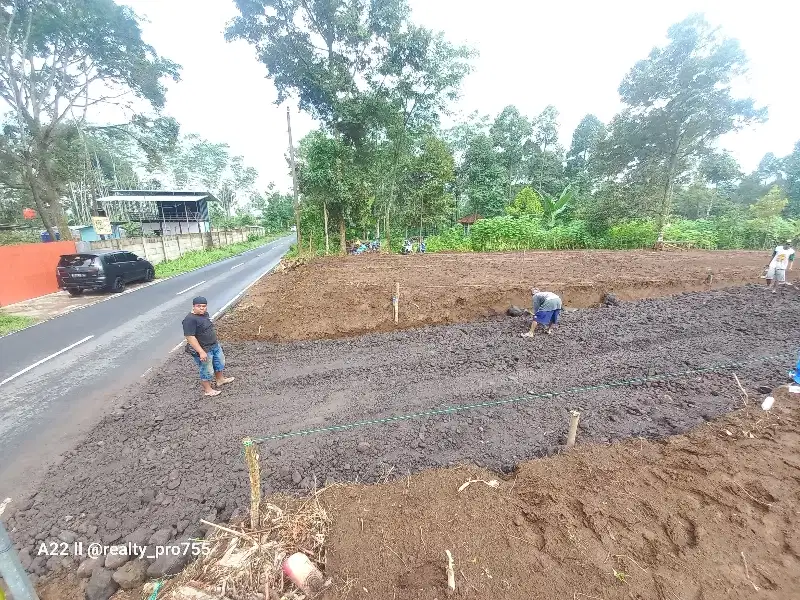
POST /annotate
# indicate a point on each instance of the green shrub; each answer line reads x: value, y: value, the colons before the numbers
x: 630, y: 235
x: 450, y: 240
x: 701, y: 233
x: 200, y: 258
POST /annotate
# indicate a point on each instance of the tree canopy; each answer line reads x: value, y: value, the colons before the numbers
x: 380, y: 162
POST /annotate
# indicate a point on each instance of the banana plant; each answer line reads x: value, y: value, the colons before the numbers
x: 552, y: 206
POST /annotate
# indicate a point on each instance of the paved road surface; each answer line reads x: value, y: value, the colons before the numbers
x: 57, y: 377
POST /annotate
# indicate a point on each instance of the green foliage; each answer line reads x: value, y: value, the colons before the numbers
x: 450, y: 240
x: 275, y: 212
x: 486, y: 178
x: 13, y: 237
x: 54, y: 55
x: 732, y: 231
x: 507, y: 233
x: 791, y: 167
x: 527, y: 203
x: 510, y: 133
x: 200, y: 258
x: 132, y: 229
x: 588, y: 135
x: 677, y: 102
x: 630, y: 235
x: 771, y: 205
x: 11, y: 323
x: 552, y: 207
x: 702, y: 233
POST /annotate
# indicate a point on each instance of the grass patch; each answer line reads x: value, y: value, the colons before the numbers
x: 200, y: 258
x: 11, y: 323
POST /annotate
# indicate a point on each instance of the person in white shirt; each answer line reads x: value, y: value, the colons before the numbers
x: 782, y: 259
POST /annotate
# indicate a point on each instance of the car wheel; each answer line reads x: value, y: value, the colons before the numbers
x: 118, y: 286
x: 151, y: 274
x: 75, y: 292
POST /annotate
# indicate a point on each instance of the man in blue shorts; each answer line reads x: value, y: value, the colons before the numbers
x: 202, y: 345
x: 546, y: 308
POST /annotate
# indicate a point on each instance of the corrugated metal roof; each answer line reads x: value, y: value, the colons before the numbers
x: 154, y: 198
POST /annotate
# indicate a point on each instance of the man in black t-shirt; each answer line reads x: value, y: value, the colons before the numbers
x: 202, y: 345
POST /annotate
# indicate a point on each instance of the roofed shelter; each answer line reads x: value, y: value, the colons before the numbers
x: 469, y: 220
x: 161, y: 212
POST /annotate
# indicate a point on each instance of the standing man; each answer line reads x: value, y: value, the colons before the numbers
x: 782, y: 259
x: 546, y: 308
x: 202, y: 345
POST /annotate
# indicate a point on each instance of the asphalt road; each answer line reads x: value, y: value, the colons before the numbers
x: 57, y: 378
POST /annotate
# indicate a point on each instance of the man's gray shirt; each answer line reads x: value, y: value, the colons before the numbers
x: 546, y: 301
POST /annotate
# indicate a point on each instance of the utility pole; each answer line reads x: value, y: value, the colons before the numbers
x: 294, y: 180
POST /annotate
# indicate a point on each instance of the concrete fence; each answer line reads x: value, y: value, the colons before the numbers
x: 157, y: 249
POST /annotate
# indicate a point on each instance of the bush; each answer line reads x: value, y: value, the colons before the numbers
x: 450, y: 240
x: 701, y: 233
x: 200, y: 258
x: 630, y: 235
x: 507, y: 233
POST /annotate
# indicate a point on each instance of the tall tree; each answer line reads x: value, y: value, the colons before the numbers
x: 360, y: 68
x: 722, y: 171
x: 510, y: 133
x: 421, y: 75
x: 428, y: 181
x: 770, y: 169
x: 719, y: 168
x: 486, y: 179
x: 678, y: 101
x: 60, y: 59
x: 586, y: 139
x: 791, y: 166
x: 331, y: 179
x: 545, y: 135
x: 238, y: 182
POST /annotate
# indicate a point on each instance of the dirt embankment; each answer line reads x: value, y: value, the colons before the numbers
x: 712, y: 515
x: 340, y: 297
x: 165, y: 458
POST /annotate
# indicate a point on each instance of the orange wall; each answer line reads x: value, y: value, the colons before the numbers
x: 29, y: 270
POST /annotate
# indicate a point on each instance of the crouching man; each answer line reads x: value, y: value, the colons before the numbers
x: 202, y: 345
x: 546, y: 308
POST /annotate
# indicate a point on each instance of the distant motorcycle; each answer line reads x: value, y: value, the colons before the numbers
x: 408, y: 248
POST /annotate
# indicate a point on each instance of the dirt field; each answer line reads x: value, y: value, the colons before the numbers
x: 379, y: 407
x: 705, y: 516
x: 711, y: 515
x: 166, y: 458
x: 338, y: 297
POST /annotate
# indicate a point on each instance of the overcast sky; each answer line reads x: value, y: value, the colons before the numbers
x: 572, y: 55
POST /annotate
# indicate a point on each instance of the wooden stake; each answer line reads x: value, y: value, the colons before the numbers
x: 251, y: 457
x: 573, y: 427
x: 396, y: 300
x: 744, y: 392
x: 451, y: 576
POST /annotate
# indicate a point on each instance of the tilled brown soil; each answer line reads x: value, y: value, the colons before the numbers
x: 339, y: 297
x: 712, y: 515
x: 166, y: 458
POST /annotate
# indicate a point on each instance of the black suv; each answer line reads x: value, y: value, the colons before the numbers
x: 77, y: 273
